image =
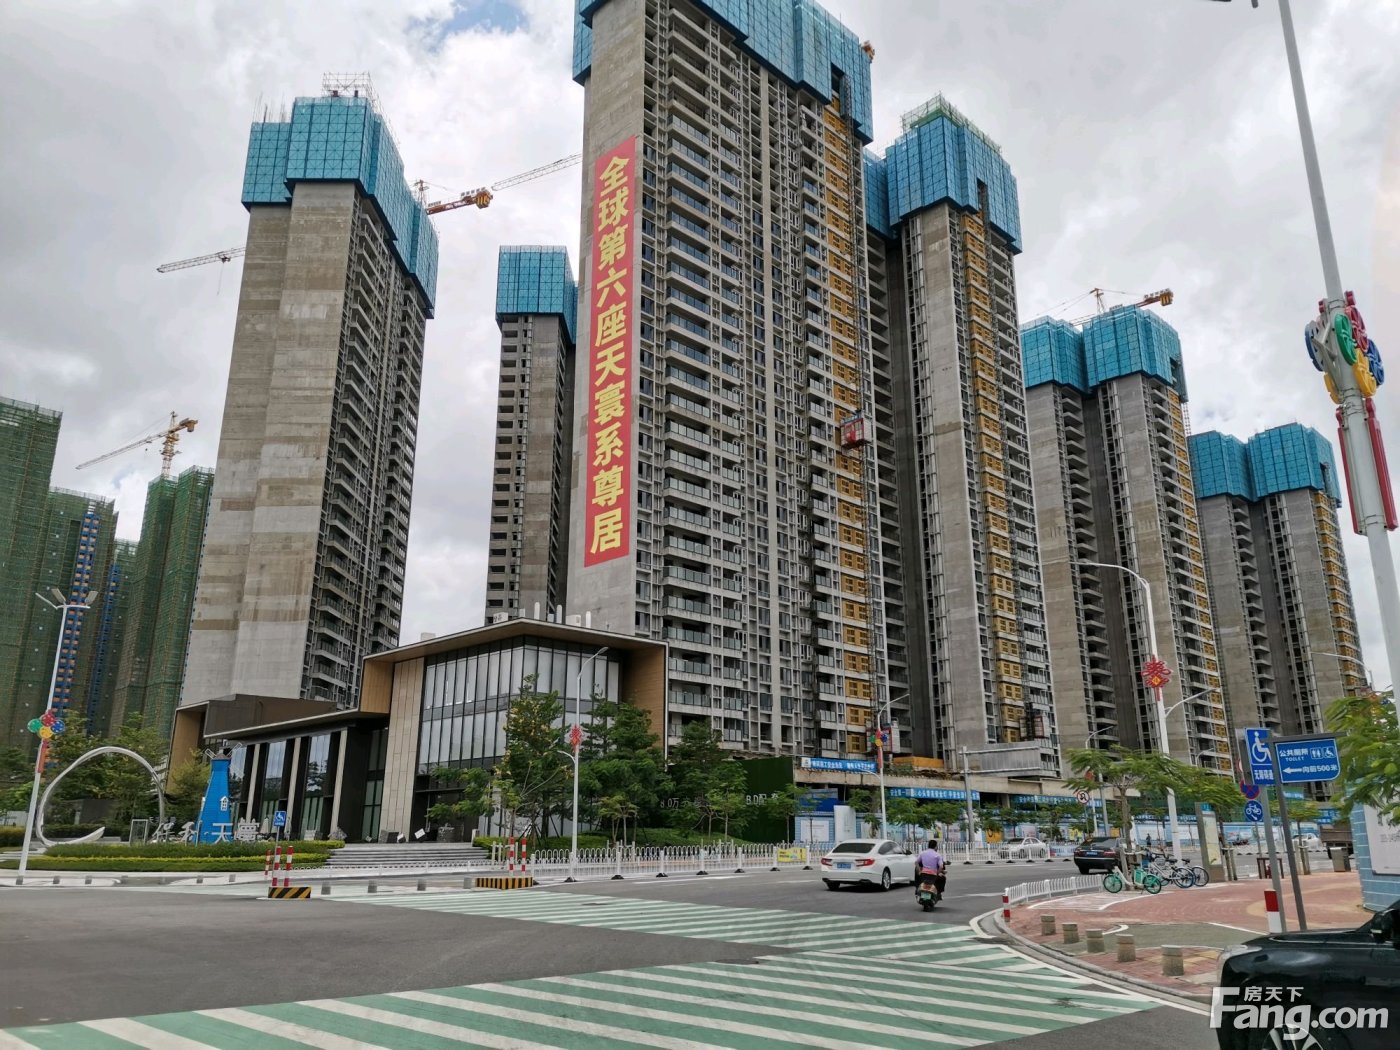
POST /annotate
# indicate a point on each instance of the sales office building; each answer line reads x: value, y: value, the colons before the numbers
x: 442, y: 701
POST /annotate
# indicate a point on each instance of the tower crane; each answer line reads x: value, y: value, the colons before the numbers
x: 168, y: 438
x: 1165, y: 297
x: 480, y: 197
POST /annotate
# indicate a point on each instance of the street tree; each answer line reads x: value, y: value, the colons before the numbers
x: 1368, y: 739
x: 533, y: 776
x: 621, y: 758
x: 1150, y: 773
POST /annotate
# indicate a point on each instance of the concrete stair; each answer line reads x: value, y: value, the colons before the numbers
x: 409, y: 855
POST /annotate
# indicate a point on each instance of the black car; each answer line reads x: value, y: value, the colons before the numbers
x: 1096, y: 855
x: 1338, y: 989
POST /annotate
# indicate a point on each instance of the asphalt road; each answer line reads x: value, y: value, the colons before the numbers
x: 74, y: 954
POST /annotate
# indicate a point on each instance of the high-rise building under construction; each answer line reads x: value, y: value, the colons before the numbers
x: 158, y: 581
x: 536, y: 309
x: 1114, y: 494
x: 303, y: 567
x: 800, y: 453
x: 49, y: 538
x: 1278, y: 579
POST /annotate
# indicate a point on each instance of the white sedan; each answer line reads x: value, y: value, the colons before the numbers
x: 877, y: 862
x: 1029, y: 848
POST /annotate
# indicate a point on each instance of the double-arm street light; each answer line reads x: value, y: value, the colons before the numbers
x: 880, y: 758
x: 64, y: 606
x: 1163, y: 743
x: 1338, y: 346
x: 1102, y: 805
x: 575, y: 743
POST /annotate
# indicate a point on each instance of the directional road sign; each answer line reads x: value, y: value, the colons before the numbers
x: 1309, y: 761
x: 1256, y: 743
x: 1254, y: 812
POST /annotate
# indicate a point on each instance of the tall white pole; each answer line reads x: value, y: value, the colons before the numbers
x: 967, y: 797
x: 38, y: 759
x: 1164, y: 744
x: 1364, y: 481
x: 577, y: 746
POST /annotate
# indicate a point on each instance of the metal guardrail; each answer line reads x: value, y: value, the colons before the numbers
x: 624, y: 861
x: 1029, y: 891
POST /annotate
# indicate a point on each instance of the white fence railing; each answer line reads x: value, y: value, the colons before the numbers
x: 632, y: 861
x: 1028, y: 891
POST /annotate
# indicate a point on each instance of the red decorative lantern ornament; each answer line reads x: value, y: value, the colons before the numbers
x: 1156, y: 674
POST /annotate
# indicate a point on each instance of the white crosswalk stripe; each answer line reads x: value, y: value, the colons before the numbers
x: 824, y: 1000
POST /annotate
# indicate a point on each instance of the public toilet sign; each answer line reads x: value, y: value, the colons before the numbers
x: 1309, y: 761
x: 1301, y: 760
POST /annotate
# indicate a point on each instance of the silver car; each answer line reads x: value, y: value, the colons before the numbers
x: 1028, y: 848
x: 876, y: 862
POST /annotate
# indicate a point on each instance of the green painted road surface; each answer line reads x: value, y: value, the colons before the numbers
x: 810, y: 999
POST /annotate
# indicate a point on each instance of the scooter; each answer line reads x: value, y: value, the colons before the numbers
x: 928, y: 893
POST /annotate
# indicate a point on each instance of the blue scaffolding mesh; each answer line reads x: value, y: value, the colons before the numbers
x: 942, y: 156
x: 797, y: 39
x: 537, y: 279
x: 1052, y: 351
x: 342, y: 139
x: 877, y: 196
x: 1220, y: 466
x: 1281, y: 459
x: 1129, y: 339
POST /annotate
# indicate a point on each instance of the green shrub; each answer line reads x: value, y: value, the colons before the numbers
x: 669, y: 837
x: 11, y: 835
x: 44, y: 862
x: 184, y: 849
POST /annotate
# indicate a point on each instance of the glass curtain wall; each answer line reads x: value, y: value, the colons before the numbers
x: 318, y: 785
x: 467, y: 694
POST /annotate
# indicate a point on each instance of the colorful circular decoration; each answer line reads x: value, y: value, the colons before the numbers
x: 1364, y: 379
x: 1332, y: 390
x: 58, y: 725
x: 45, y: 732
x: 35, y: 725
x: 47, y: 718
x: 1341, y: 325
x: 1373, y: 356
x: 1309, y: 334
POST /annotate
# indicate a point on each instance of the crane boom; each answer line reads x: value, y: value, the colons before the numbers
x: 480, y: 198
x: 200, y: 260
x: 1164, y: 297
x: 169, y: 438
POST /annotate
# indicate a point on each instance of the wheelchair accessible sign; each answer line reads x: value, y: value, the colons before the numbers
x: 1302, y: 760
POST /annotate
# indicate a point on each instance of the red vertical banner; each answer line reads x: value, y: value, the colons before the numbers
x: 607, y: 518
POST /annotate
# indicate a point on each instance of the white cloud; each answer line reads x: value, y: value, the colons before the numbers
x: 1155, y: 145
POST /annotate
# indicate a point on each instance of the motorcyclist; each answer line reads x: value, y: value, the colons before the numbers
x: 931, y: 860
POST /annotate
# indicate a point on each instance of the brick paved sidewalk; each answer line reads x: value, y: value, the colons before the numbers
x: 1201, y: 921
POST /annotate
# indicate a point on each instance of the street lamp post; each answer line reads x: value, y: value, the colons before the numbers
x: 1164, y: 743
x: 63, y: 606
x: 576, y: 741
x: 1335, y: 349
x: 880, y: 758
x: 1102, y: 804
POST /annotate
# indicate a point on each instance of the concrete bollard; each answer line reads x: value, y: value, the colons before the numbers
x: 422, y: 884
x: 1094, y: 944
x: 199, y: 881
x: 87, y: 880
x: 230, y: 878
x: 121, y: 880
x: 467, y: 883
x: 1172, y: 963
x: 373, y: 887
x: 1071, y: 932
x: 1047, y: 925
x: 1127, y: 947
x: 325, y: 889
x: 55, y: 880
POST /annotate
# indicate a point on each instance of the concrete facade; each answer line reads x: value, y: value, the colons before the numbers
x: 1278, y: 579
x: 527, y: 563
x: 759, y: 541
x: 1114, y: 486
x: 306, y: 545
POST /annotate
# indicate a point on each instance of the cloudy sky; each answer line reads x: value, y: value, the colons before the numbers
x: 1154, y: 141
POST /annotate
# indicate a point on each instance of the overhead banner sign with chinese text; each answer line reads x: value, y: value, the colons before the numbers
x: 607, y: 519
